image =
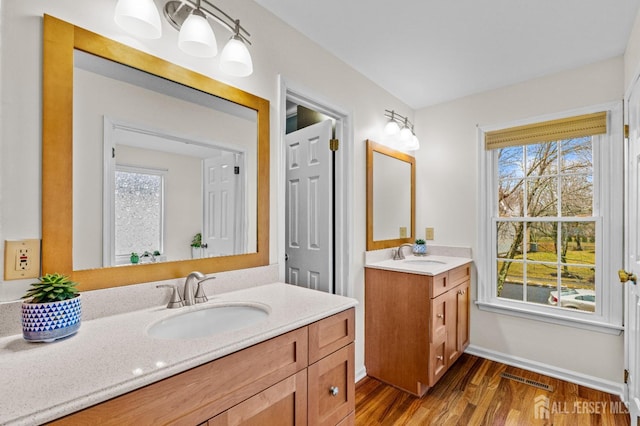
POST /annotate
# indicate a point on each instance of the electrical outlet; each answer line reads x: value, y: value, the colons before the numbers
x: 21, y: 259
x: 428, y: 234
x: 403, y: 232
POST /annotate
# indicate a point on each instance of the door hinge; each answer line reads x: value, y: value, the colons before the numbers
x: 333, y: 144
x: 626, y: 130
x: 626, y: 376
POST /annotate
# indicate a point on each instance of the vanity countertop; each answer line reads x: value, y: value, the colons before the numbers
x: 422, y: 265
x: 113, y: 355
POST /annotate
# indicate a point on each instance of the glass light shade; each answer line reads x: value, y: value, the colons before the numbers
x: 196, y: 37
x: 391, y: 128
x: 414, y: 144
x: 406, y: 135
x: 235, y: 58
x: 138, y: 17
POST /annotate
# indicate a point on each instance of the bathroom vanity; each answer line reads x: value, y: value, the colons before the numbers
x: 416, y: 319
x: 296, y: 366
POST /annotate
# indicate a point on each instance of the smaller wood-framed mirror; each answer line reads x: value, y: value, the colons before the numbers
x: 391, y: 197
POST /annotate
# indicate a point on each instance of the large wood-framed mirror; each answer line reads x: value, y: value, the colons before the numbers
x: 391, y: 197
x: 76, y: 160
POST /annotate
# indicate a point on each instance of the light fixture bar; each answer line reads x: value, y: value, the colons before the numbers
x: 177, y: 11
x: 401, y: 120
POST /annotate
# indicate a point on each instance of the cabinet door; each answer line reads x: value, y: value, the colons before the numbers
x: 457, y: 322
x: 332, y: 387
x: 284, y: 403
x: 463, y: 300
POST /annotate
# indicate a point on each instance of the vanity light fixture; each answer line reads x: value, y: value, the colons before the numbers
x: 400, y: 129
x: 139, y: 17
x: 196, y: 37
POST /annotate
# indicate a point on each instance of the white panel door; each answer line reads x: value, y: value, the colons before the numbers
x: 632, y: 292
x: 220, y: 204
x: 308, y: 229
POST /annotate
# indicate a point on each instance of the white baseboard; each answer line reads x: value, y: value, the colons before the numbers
x: 361, y: 374
x: 616, y: 388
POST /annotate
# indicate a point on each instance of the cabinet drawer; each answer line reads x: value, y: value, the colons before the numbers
x: 330, y: 334
x: 284, y: 403
x: 437, y: 360
x: 237, y: 377
x: 460, y: 275
x: 438, y: 319
x: 440, y: 284
x: 332, y: 388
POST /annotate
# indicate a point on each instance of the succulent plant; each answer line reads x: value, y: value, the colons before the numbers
x: 420, y: 242
x: 52, y: 288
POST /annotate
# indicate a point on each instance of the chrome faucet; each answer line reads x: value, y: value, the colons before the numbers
x: 397, y: 254
x: 195, y: 278
x: 191, y: 280
x: 189, y: 298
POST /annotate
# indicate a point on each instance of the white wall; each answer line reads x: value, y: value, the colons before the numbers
x: 277, y: 50
x: 447, y: 164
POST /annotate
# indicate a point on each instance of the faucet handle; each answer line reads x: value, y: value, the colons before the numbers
x: 200, y: 296
x: 175, y: 301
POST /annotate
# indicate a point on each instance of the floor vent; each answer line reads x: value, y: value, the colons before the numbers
x: 528, y: 382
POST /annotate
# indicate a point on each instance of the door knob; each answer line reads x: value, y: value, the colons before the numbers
x: 627, y: 276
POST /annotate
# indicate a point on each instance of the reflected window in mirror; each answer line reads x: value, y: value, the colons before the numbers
x: 390, y: 197
x: 139, y: 207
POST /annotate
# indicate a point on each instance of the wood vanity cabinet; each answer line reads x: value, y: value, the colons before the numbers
x: 416, y: 326
x: 303, y: 377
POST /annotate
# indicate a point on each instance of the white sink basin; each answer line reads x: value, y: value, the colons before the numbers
x: 209, y: 321
x: 424, y: 262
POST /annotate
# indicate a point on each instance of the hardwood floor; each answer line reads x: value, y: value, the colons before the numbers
x: 473, y: 392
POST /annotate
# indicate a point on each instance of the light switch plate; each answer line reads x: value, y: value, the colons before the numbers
x: 428, y: 234
x: 21, y: 259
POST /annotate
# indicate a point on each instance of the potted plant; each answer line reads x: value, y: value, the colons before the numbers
x: 134, y: 258
x: 420, y: 248
x: 196, y: 246
x: 53, y: 310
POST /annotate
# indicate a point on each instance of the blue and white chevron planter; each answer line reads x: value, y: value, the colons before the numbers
x: 46, y: 322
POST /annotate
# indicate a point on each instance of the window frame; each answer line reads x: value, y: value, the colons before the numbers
x: 608, y: 162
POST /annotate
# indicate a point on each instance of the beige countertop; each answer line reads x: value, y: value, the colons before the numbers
x: 113, y: 355
x: 423, y: 265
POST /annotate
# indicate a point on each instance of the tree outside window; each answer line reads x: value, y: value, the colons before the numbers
x: 545, y: 229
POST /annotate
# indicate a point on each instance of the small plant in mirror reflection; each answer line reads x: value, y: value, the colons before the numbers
x: 197, y: 240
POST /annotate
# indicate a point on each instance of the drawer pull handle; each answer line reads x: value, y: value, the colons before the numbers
x: 439, y: 357
x: 462, y: 291
x: 334, y: 390
x: 440, y: 316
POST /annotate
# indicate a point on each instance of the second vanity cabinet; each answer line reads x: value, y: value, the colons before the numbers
x: 416, y: 326
x: 305, y: 376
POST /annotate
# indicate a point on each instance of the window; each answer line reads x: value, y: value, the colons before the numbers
x: 139, y: 208
x: 548, y: 205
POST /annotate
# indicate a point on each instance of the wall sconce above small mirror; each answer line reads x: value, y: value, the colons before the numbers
x: 390, y: 197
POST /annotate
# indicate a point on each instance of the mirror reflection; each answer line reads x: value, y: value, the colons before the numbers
x: 161, y: 172
x: 390, y: 197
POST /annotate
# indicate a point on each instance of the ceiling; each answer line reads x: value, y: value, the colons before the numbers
x: 427, y: 52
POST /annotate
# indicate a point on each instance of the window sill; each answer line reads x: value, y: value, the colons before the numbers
x: 599, y: 327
